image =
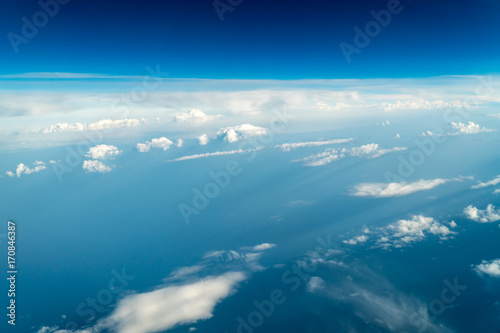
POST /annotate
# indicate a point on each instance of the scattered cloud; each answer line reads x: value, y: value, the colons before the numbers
x: 490, y: 214
x: 24, y: 169
x: 194, y: 115
x: 290, y: 146
x: 356, y: 240
x: 470, y: 128
x: 497, y: 191
x: 491, y: 268
x: 240, y: 132
x: 95, y: 166
x: 159, y: 143
x: 179, y: 143
x: 188, y: 295
x: 103, y: 152
x: 203, y: 139
x: 99, y: 125
x: 404, y: 232
x: 384, y: 190
x: 493, y: 182
x: 371, y: 150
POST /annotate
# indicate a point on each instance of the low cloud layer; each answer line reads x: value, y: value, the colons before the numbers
x: 98, y: 125
x: 194, y: 115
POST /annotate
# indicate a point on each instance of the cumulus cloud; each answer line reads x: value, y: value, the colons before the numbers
x: 493, y: 182
x: 356, y: 240
x: 203, y: 139
x: 490, y: 214
x: 290, y: 146
x: 194, y: 115
x: 95, y: 166
x: 159, y: 143
x: 98, y: 125
x: 371, y: 150
x: 405, y: 232
x: 240, y: 132
x: 24, y: 169
x: 179, y: 143
x: 315, y: 283
x: 470, y: 128
x: 384, y: 190
x: 103, y: 152
x: 491, y: 268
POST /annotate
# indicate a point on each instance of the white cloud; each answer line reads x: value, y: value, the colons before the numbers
x: 497, y: 115
x: 315, y: 283
x: 217, y: 153
x: 240, y: 132
x: 491, y: 268
x: 203, y: 139
x: 371, y: 150
x: 194, y: 115
x: 159, y: 143
x: 405, y: 232
x: 469, y: 128
x: 179, y: 143
x: 420, y: 104
x: 24, y: 169
x: 383, y: 190
x: 290, y: 146
x: 165, y: 308
x: 497, y: 191
x: 490, y: 214
x: 493, y: 182
x: 95, y: 166
x: 103, y: 152
x: 263, y: 246
x: 356, y: 240
x: 98, y: 125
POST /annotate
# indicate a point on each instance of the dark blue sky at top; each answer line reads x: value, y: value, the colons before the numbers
x: 257, y: 40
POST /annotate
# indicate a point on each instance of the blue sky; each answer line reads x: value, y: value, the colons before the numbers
x: 208, y: 155
x: 257, y: 39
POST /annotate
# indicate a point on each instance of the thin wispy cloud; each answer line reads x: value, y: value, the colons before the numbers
x: 371, y: 150
x: 217, y: 153
x: 384, y: 190
x: 291, y: 146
